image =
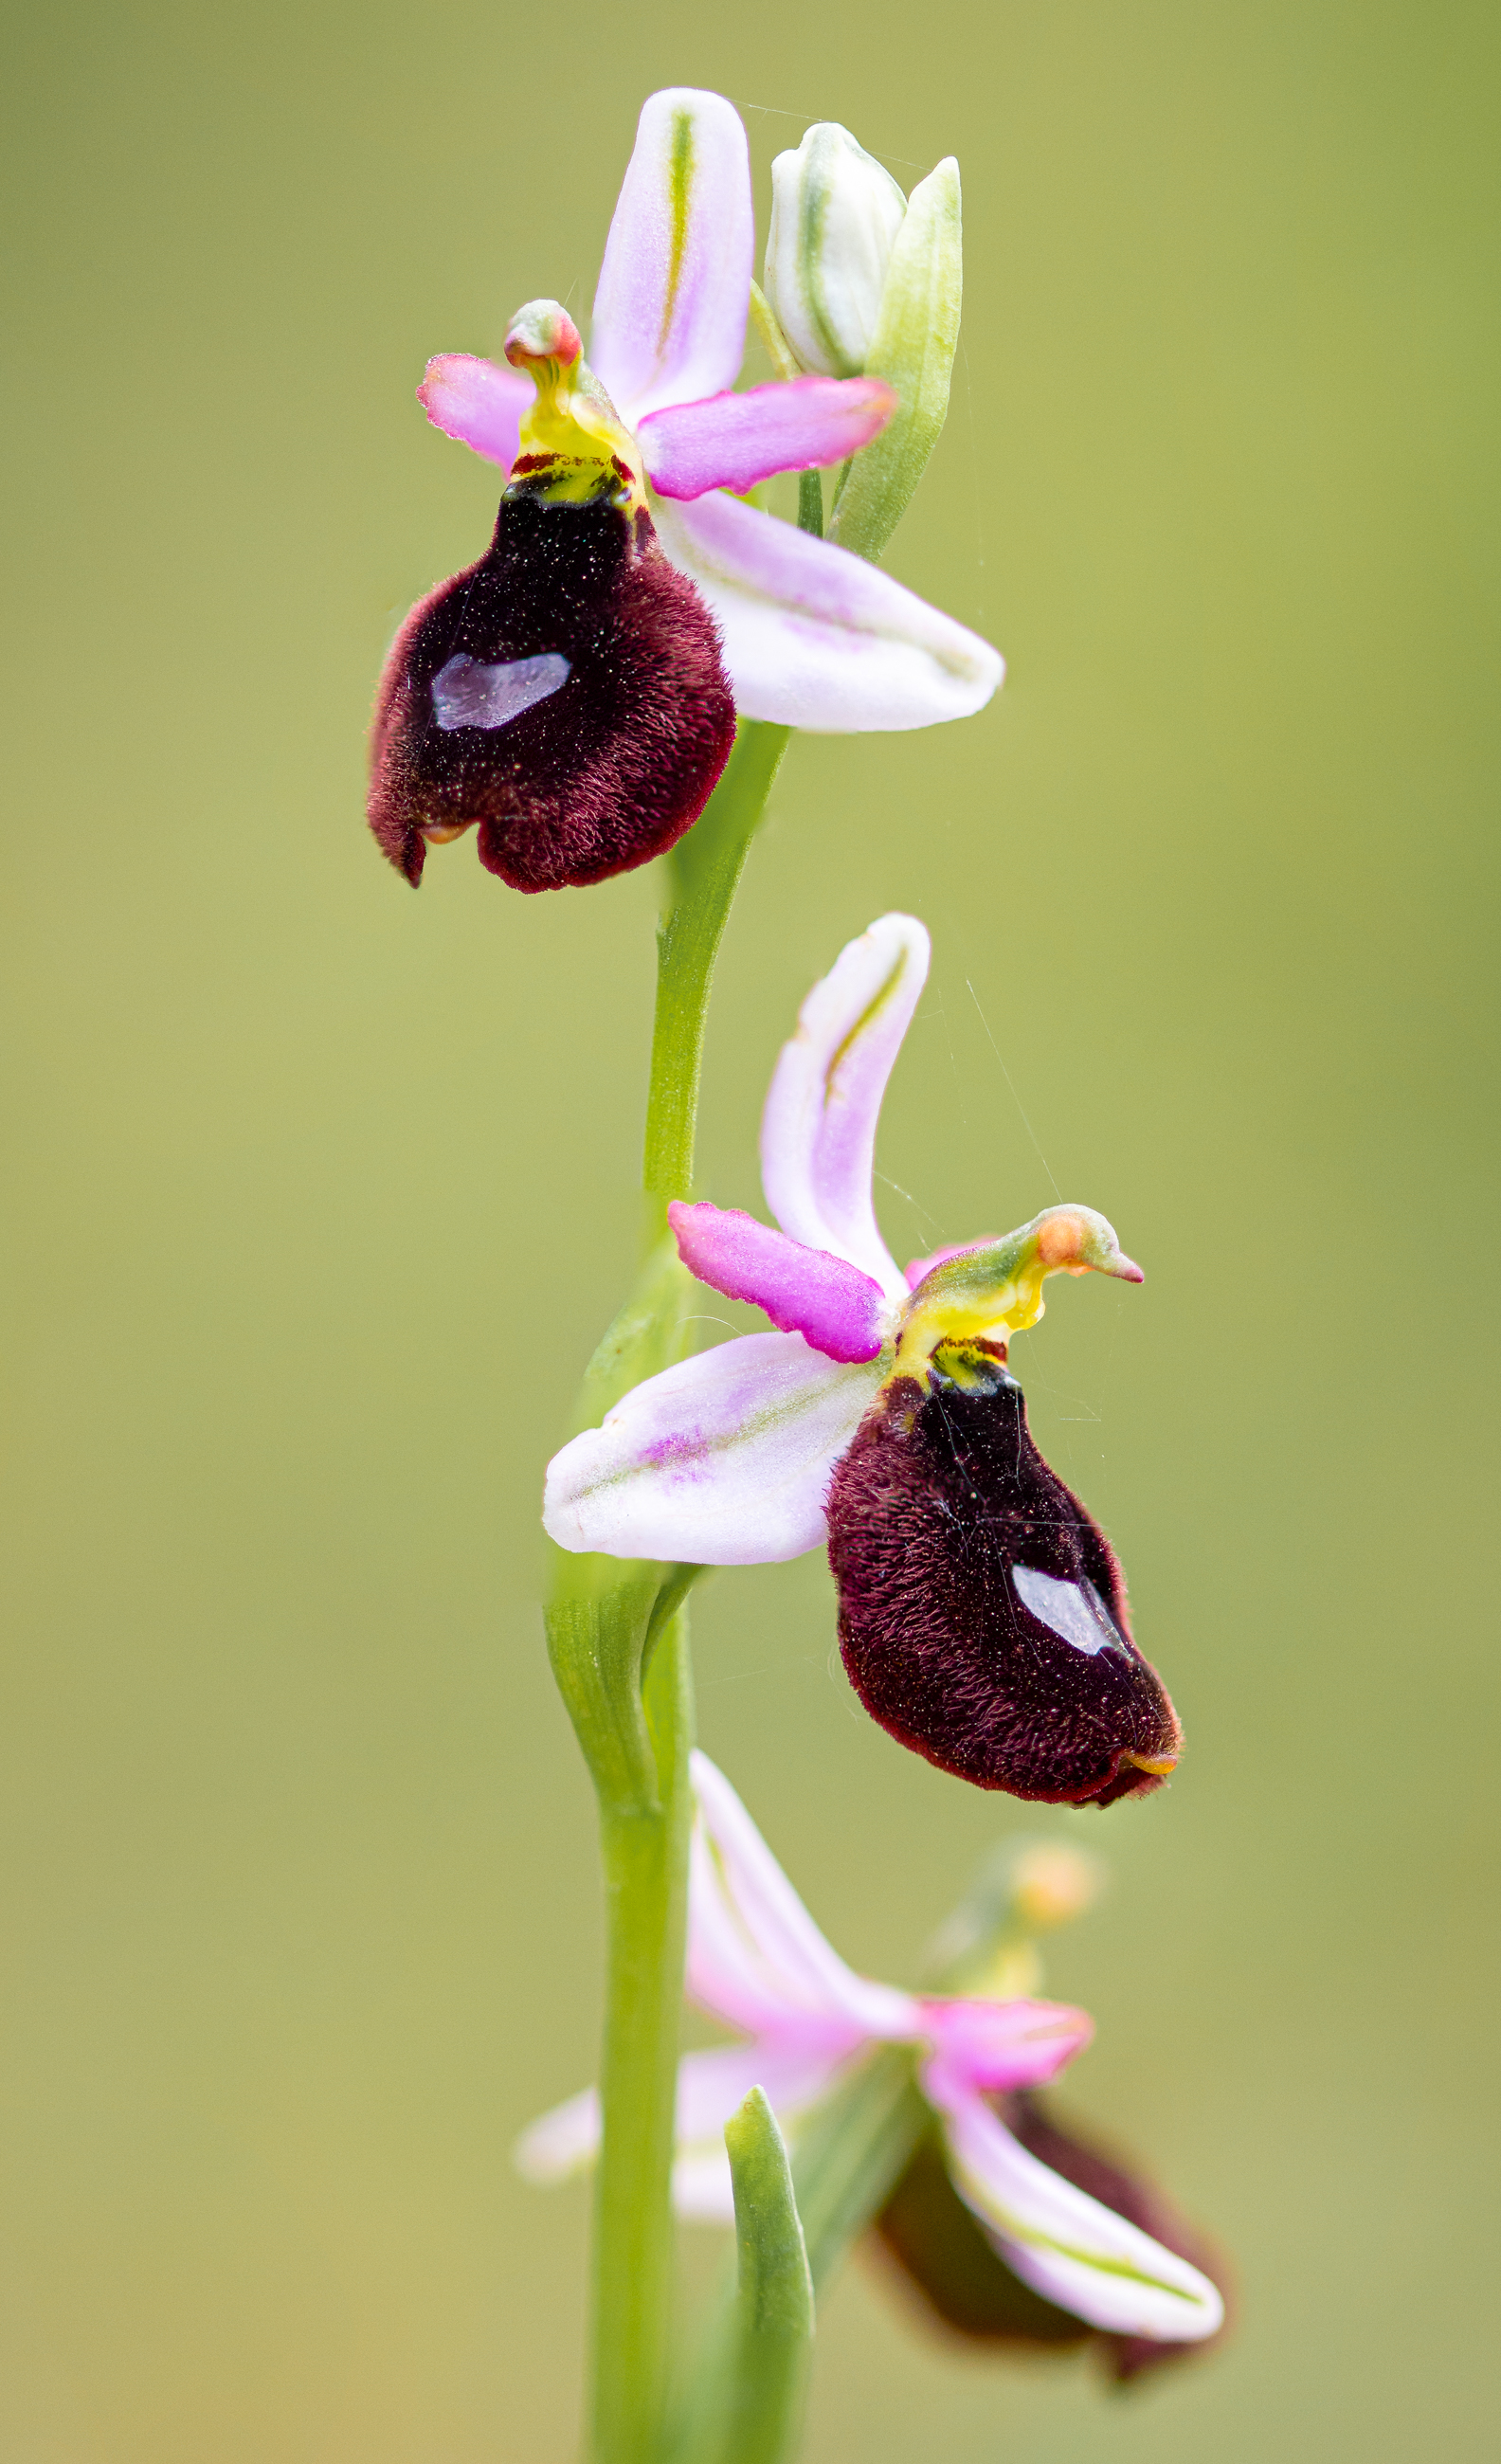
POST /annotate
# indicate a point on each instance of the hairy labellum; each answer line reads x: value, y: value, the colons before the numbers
x: 982, y: 1612
x: 966, y: 2284
x: 565, y: 693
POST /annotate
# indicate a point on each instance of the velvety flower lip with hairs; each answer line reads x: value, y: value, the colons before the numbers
x: 758, y: 1963
x: 574, y: 693
x: 983, y: 1614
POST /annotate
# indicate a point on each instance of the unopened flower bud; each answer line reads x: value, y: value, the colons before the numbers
x: 1025, y: 1888
x: 1052, y: 1883
x: 835, y: 213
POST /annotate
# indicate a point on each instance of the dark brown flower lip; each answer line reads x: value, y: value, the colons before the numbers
x: 565, y: 693
x: 982, y: 1613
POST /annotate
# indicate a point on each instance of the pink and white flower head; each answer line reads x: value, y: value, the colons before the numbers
x: 575, y: 692
x: 758, y: 1963
x: 983, y: 1614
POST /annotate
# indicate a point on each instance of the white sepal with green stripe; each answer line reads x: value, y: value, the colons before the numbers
x: 1066, y: 2245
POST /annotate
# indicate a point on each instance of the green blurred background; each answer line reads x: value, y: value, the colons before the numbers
x: 319, y: 1193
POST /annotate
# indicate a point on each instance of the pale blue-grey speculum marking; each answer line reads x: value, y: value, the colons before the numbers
x: 467, y: 693
x: 1074, y: 1611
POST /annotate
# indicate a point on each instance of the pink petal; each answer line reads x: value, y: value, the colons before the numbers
x: 921, y: 1267
x: 818, y: 1130
x: 675, y: 287
x: 815, y: 637
x: 477, y: 402
x: 723, y: 1460
x: 832, y: 1306
x: 1070, y: 2247
x: 733, y: 439
x: 999, y: 2047
x: 710, y: 2087
x: 562, y: 2141
x: 756, y: 1959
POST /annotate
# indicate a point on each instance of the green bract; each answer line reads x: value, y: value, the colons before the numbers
x: 912, y: 347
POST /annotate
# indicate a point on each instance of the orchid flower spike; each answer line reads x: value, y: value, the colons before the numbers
x: 983, y: 1614
x: 575, y: 692
x: 758, y: 1963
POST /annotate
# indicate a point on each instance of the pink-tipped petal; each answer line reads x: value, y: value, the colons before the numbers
x: 733, y: 439
x: 817, y: 638
x: 712, y: 2084
x: 921, y: 1267
x: 702, y: 2192
x: 477, y: 402
x: 675, y: 287
x: 723, y: 1460
x: 1069, y: 2247
x: 710, y: 2088
x: 835, y: 1307
x: 998, y: 2047
x: 561, y: 2142
x: 818, y: 1130
x: 756, y: 1959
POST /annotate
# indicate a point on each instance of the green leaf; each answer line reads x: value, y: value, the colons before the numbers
x: 850, y: 2150
x: 774, y: 2297
x: 644, y: 1336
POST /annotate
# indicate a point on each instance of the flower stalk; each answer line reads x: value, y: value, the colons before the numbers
x: 617, y: 1632
x: 703, y: 874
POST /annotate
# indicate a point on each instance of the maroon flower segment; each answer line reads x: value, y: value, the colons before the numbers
x: 965, y: 2284
x: 566, y: 692
x: 981, y: 1614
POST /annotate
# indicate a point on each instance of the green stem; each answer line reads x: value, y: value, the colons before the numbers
x: 617, y: 1632
x: 703, y: 874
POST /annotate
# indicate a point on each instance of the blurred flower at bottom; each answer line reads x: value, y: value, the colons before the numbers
x: 758, y: 1963
x: 961, y: 2280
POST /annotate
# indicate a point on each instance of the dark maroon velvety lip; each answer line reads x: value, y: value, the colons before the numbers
x: 983, y: 1614
x: 565, y: 693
